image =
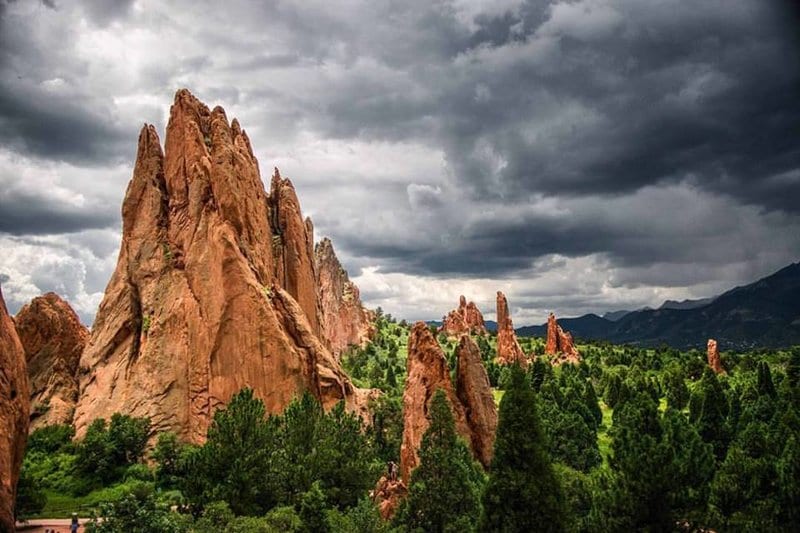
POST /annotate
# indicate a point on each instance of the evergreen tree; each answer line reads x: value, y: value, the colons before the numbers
x: 765, y: 385
x: 711, y: 418
x: 444, y: 493
x: 523, y: 493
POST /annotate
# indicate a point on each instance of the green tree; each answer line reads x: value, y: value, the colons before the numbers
x: 240, y: 463
x: 444, y: 493
x: 711, y: 418
x: 523, y: 493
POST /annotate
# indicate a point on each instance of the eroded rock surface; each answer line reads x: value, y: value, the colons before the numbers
x: 14, y: 415
x: 345, y: 321
x: 466, y: 319
x: 389, y: 494
x: 559, y: 343
x: 475, y: 394
x: 427, y: 372
x: 214, y: 288
x: 713, y: 357
x: 508, y: 349
x: 53, y: 339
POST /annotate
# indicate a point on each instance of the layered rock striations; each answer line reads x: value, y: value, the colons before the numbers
x: 712, y: 354
x: 475, y: 394
x: 53, y: 339
x: 14, y: 415
x: 508, y: 349
x: 345, y: 321
x: 466, y: 319
x: 214, y: 288
x: 559, y: 343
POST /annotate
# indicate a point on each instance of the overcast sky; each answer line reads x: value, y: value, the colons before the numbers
x: 582, y: 156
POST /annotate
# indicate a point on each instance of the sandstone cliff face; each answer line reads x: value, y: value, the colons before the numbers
x: 14, y: 415
x: 713, y: 357
x: 560, y: 344
x: 345, y: 321
x: 508, y: 349
x: 53, y: 339
x: 475, y: 394
x: 427, y: 372
x: 214, y: 288
x: 466, y: 319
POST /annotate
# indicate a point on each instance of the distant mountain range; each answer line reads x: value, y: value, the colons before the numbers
x: 764, y: 313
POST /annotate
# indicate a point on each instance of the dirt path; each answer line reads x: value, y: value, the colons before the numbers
x: 40, y: 525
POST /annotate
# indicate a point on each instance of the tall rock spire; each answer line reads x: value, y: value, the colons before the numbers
x: 508, y: 349
x: 214, y: 288
x: 559, y: 343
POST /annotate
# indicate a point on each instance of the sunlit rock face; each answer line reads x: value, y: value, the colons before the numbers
x: 14, y: 414
x: 559, y: 343
x: 214, y: 288
x: 345, y: 321
x: 508, y: 349
x: 53, y: 339
x: 466, y: 319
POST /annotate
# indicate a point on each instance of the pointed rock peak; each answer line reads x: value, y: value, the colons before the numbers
x: 345, y: 321
x: 466, y: 319
x: 189, y: 316
x: 53, y: 339
x: 475, y: 393
x: 713, y: 357
x: 14, y: 415
x: 560, y: 344
x: 509, y: 350
x: 427, y: 372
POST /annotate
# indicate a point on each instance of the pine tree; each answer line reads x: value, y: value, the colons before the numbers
x: 711, y: 418
x: 444, y: 493
x: 523, y: 493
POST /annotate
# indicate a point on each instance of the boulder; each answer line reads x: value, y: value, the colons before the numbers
x: 53, y: 339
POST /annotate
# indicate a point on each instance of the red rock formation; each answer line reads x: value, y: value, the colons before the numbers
x: 508, y: 348
x: 560, y: 344
x: 214, y: 288
x: 388, y: 495
x: 467, y: 319
x: 427, y: 372
x: 475, y: 394
x: 14, y: 415
x: 345, y: 321
x: 713, y: 357
x: 53, y: 339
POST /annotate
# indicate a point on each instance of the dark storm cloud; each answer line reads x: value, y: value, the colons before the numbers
x: 25, y: 213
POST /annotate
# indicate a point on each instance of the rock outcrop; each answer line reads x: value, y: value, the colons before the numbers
x: 14, y: 415
x: 53, y: 339
x: 345, y: 321
x: 427, y: 372
x: 508, y: 349
x: 713, y: 357
x: 559, y: 343
x: 475, y: 394
x: 214, y: 288
x: 466, y: 319
x: 388, y: 495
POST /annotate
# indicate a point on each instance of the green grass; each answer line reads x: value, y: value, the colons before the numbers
x: 603, y: 438
x: 498, y: 395
x: 61, y: 505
